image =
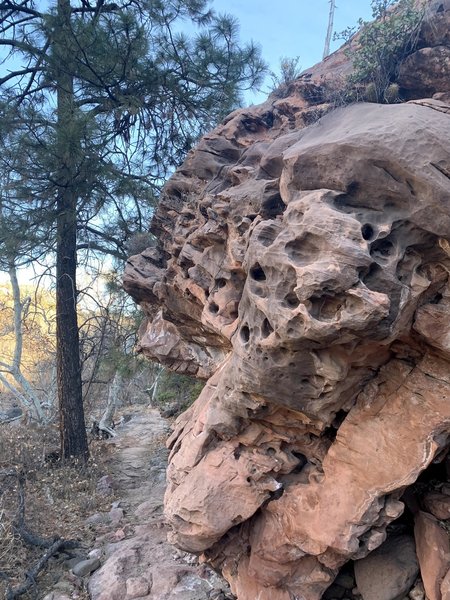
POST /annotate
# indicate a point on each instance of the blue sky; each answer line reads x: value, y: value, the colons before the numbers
x: 290, y: 28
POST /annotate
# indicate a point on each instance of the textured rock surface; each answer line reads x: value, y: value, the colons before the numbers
x: 427, y: 71
x: 433, y: 551
x: 303, y: 271
x: 86, y: 567
x: 445, y: 587
x: 438, y: 505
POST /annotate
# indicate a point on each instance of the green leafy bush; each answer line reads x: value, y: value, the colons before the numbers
x: 381, y: 46
x: 175, y: 389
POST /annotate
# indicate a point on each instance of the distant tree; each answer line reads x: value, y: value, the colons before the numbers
x: 27, y: 346
x: 16, y: 307
x: 103, y: 100
x: 13, y: 311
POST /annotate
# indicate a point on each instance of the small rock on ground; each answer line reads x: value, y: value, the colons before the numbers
x: 86, y: 567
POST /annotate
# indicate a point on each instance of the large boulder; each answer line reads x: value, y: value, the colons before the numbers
x: 389, y: 571
x: 302, y: 271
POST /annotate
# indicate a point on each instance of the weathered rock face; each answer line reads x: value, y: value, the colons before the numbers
x: 303, y: 271
x: 427, y: 70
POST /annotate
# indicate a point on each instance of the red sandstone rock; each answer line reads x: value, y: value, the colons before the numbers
x: 433, y: 551
x: 426, y: 71
x: 328, y: 288
x: 445, y: 587
x: 303, y: 271
x: 437, y: 504
x: 435, y: 30
x: 423, y: 73
x: 137, y: 587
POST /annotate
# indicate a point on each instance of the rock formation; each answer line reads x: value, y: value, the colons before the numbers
x: 303, y: 271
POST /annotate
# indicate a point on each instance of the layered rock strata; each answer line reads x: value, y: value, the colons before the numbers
x: 303, y: 271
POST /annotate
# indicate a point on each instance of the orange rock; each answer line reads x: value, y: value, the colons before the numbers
x: 438, y: 505
x: 303, y: 272
x: 433, y: 552
x: 445, y: 587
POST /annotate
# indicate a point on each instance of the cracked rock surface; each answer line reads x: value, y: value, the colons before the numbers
x: 303, y: 272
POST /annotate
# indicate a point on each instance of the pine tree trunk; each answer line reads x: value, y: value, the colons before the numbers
x: 71, y: 413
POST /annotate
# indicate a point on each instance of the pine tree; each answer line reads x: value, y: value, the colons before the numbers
x: 99, y: 102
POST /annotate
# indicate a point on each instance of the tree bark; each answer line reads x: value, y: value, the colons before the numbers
x: 106, y: 422
x: 326, y: 50
x: 72, y: 424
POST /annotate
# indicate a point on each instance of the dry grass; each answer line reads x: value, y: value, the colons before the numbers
x: 58, y: 498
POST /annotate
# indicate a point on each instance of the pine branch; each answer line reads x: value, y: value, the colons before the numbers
x: 20, y: 7
x: 96, y: 247
x: 12, y: 43
x: 8, y: 25
x: 100, y: 7
x: 13, y: 74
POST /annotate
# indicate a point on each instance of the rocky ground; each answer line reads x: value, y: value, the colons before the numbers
x: 131, y: 557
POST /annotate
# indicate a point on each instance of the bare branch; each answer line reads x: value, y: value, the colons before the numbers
x: 52, y: 546
x: 8, y: 26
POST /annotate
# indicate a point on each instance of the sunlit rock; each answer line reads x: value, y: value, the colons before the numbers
x: 302, y: 270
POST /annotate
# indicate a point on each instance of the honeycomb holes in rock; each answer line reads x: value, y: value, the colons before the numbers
x: 295, y: 327
x: 245, y: 333
x: 302, y: 460
x: 213, y: 308
x: 382, y: 249
x: 291, y: 300
x: 272, y: 207
x: 267, y: 235
x: 325, y: 307
x: 257, y: 273
x: 305, y: 249
x: 372, y: 277
x: 220, y: 283
x: 266, y: 328
x: 367, y: 231
x: 373, y: 205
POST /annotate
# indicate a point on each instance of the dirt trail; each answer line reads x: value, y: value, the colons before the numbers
x: 138, y: 463
x: 137, y: 561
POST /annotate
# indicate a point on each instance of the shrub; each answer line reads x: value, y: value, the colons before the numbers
x: 55, y: 499
x: 290, y: 70
x: 381, y: 46
x: 176, y: 389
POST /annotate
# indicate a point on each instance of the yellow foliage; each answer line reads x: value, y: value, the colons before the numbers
x: 39, y: 330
